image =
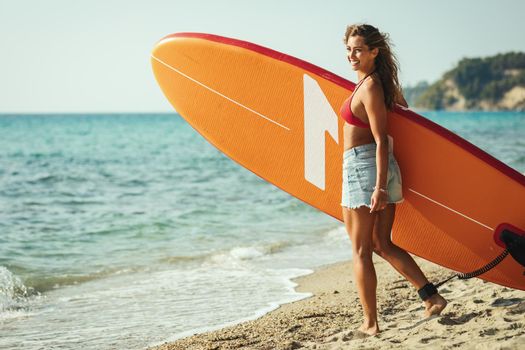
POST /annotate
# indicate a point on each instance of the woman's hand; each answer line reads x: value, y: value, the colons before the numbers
x: 379, y: 200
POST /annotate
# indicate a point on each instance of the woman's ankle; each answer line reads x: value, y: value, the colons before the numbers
x: 370, y: 322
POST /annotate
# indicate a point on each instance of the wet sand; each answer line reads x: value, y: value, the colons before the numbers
x: 480, y: 315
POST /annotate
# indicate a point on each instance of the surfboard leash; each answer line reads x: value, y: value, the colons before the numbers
x: 480, y: 271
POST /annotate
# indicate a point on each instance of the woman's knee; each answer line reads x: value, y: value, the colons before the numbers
x: 362, y: 253
x: 383, y: 249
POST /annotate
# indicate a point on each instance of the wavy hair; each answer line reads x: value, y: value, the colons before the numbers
x: 386, y: 63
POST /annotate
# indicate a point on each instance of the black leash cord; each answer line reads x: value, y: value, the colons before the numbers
x: 467, y: 275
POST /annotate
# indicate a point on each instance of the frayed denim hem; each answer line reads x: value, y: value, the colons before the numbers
x: 357, y: 206
x: 368, y: 205
x: 399, y: 201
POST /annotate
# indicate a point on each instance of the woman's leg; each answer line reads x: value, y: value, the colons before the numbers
x: 400, y: 259
x: 359, y: 224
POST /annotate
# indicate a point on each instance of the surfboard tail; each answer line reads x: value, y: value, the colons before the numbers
x: 513, y: 239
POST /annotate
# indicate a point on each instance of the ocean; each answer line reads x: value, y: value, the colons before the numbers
x: 128, y: 230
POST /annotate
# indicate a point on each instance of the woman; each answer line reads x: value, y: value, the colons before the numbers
x: 371, y: 175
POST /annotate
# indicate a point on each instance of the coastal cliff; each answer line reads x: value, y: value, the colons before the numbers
x: 490, y: 83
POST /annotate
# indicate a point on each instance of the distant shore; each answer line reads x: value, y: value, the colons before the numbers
x: 480, y: 315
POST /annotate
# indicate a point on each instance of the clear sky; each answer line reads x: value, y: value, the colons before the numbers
x: 94, y: 56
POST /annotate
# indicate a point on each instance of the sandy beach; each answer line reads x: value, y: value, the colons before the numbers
x: 480, y: 315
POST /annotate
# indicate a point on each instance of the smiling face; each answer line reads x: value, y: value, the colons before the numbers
x: 359, y: 55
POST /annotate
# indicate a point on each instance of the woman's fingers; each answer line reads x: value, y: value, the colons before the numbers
x: 378, y: 204
x: 375, y: 204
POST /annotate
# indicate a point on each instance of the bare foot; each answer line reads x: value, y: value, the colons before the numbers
x: 434, y: 305
x: 368, y: 328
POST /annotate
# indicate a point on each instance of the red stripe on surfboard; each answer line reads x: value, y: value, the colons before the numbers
x: 466, y: 145
x: 268, y: 52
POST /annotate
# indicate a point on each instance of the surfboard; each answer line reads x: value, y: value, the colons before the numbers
x: 277, y: 116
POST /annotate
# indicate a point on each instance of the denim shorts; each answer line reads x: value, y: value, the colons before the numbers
x: 360, y: 174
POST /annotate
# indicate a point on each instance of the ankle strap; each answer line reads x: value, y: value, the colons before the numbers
x: 427, y: 291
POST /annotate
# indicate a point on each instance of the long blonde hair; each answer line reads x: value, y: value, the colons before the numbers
x: 386, y: 63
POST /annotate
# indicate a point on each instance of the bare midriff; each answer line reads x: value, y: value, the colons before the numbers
x: 356, y: 136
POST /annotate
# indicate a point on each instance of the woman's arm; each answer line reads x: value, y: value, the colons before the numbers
x: 373, y: 100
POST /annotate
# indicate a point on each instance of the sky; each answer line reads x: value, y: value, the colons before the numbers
x: 65, y: 56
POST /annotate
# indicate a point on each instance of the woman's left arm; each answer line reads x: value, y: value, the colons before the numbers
x: 374, y: 103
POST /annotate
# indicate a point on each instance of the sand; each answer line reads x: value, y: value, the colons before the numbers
x: 480, y: 315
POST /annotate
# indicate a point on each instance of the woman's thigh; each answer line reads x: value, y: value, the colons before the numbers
x: 383, y: 226
x: 359, y: 225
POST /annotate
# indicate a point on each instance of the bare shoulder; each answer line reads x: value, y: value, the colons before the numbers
x: 373, y: 88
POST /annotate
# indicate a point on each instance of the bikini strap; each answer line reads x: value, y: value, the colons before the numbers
x: 362, y: 80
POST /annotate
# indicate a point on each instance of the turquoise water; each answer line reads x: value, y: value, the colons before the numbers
x: 122, y: 231
x: 501, y: 134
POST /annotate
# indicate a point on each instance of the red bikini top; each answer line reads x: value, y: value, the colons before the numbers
x: 346, y: 110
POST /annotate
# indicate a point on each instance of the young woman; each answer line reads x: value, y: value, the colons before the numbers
x: 371, y: 175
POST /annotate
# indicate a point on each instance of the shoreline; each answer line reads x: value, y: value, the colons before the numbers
x: 489, y: 313
x: 258, y: 313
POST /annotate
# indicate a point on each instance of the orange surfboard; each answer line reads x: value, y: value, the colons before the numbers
x: 277, y: 116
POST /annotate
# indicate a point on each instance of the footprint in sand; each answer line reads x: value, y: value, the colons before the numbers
x: 450, y: 319
x: 353, y: 335
x: 517, y: 310
x: 501, y: 302
x: 488, y: 332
